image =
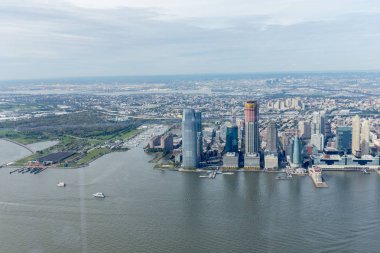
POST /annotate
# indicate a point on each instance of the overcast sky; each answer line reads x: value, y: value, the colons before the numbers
x: 65, y: 38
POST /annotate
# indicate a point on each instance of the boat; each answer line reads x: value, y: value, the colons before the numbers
x: 203, y: 176
x: 228, y: 173
x: 365, y: 171
x: 61, y: 184
x: 281, y: 178
x: 98, y: 195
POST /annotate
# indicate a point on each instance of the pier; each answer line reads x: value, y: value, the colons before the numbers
x: 315, y: 174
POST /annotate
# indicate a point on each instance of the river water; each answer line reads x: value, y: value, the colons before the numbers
x: 149, y: 210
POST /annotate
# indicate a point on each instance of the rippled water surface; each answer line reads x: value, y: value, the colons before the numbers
x: 149, y: 210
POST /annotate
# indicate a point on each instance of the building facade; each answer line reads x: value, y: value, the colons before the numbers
x: 344, y: 138
x: 189, y: 139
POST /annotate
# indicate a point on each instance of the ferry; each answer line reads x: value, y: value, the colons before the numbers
x: 61, y: 184
x: 98, y: 195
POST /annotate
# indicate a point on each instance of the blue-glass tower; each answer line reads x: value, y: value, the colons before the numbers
x: 344, y: 138
x: 189, y: 139
x: 232, y: 138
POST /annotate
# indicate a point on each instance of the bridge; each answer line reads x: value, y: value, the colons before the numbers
x: 19, y: 144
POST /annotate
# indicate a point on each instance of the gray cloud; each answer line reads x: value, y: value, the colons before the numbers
x: 66, y: 40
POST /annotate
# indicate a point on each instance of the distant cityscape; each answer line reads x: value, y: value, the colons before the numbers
x: 243, y: 122
x: 353, y: 146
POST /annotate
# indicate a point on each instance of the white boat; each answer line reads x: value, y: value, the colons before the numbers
x: 228, y: 173
x: 61, y: 184
x: 365, y: 171
x: 98, y: 195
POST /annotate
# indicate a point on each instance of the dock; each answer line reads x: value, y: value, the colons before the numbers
x: 315, y: 174
x: 319, y: 184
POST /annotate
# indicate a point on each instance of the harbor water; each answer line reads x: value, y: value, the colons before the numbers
x: 149, y: 210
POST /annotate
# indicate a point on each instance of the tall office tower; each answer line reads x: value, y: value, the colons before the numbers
x: 327, y: 133
x: 344, y: 138
x: 251, y: 111
x: 198, y: 129
x: 355, y: 135
x: 365, y: 138
x: 304, y: 129
x: 231, y: 138
x: 318, y: 123
x: 272, y: 139
x: 241, y: 136
x: 318, y: 141
x: 189, y: 139
x: 296, y: 153
x: 198, y: 121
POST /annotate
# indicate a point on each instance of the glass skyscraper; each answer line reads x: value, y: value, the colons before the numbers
x: 297, y: 152
x: 232, y: 138
x: 189, y: 139
x: 344, y: 138
x: 251, y: 112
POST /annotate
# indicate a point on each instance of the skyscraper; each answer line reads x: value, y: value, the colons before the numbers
x: 231, y: 138
x: 251, y: 112
x: 318, y: 123
x: 198, y: 129
x: 296, y: 153
x: 304, y: 129
x: 198, y: 121
x: 365, y: 138
x: 272, y: 139
x: 241, y: 135
x: 355, y: 135
x: 189, y: 139
x: 317, y: 140
x: 344, y: 138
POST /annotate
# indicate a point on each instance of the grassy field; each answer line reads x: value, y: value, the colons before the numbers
x: 72, y: 143
x: 22, y: 137
x: 92, y: 155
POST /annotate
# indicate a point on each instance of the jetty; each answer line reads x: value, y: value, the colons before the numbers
x: 19, y: 144
x: 315, y: 174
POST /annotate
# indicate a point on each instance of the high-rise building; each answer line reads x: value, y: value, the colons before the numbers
x: 296, y: 155
x: 344, y: 138
x: 198, y: 121
x: 166, y: 142
x: 189, y: 139
x: 355, y: 135
x: 251, y: 112
x: 317, y: 140
x: 232, y: 138
x: 241, y: 123
x: 198, y: 129
x: 304, y: 129
x: 327, y: 134
x: 272, y: 138
x: 318, y: 123
x: 365, y: 138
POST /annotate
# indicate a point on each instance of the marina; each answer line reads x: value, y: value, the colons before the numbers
x: 30, y: 170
